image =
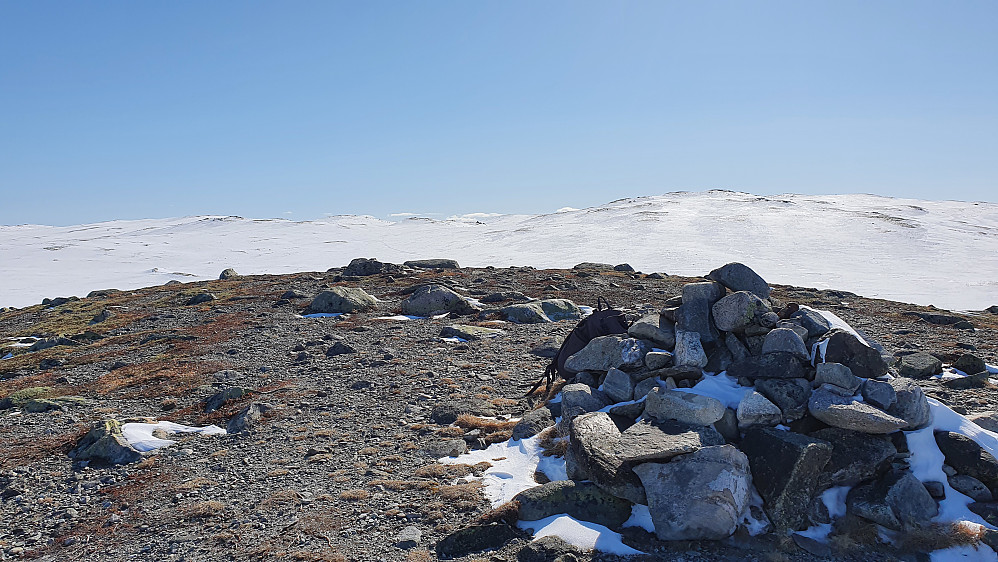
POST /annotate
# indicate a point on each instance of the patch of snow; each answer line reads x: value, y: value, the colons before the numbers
x: 8, y: 356
x: 966, y: 553
x: 401, y: 317
x: 839, y: 323
x: 835, y: 500
x: 454, y: 339
x: 582, y: 534
x: 640, y: 518
x: 140, y: 435
x: 722, y: 387
x: 322, y: 315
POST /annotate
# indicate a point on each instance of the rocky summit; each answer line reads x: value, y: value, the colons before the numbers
x: 306, y: 417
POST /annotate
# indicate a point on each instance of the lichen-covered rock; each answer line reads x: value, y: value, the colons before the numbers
x: 898, y: 500
x: 663, y: 440
x: 689, y: 350
x: 582, y: 500
x: 845, y: 412
x: 737, y: 311
x: 686, y: 407
x: 919, y: 365
x: 700, y: 496
x: 910, y: 403
x: 105, y: 444
x: 740, y: 277
x: 436, y: 299
x: 787, y: 341
x: 862, y: 360
x: 592, y: 455
x: 542, y: 312
x: 470, y: 333
x: 653, y: 328
x: 340, y: 300
x: 608, y: 352
x: 756, y: 409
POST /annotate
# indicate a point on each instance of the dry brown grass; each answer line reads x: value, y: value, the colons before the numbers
x: 508, y: 513
x: 938, y: 536
x: 462, y: 497
x: 354, y: 495
x: 468, y: 421
x: 154, y: 379
x: 418, y: 556
x: 399, y: 485
x: 196, y: 483
x: 553, y: 441
x: 203, y: 510
x: 26, y: 450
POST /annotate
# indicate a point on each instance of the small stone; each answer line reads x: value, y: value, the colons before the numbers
x: 618, y: 386
x: 970, y: 364
x: 578, y: 399
x: 919, y: 365
x: 837, y: 374
x: 756, y: 409
x: 228, y: 273
x: 787, y: 341
x: 879, y: 393
x: 408, y: 537
x: 689, y: 351
x: 655, y: 360
x: 682, y: 406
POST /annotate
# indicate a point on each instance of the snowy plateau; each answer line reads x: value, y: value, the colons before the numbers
x: 923, y: 252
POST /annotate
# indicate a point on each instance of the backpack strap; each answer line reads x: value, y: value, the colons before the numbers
x: 601, y: 302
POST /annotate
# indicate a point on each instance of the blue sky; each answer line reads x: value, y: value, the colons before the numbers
x: 300, y: 109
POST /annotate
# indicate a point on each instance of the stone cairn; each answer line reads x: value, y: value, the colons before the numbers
x: 825, y: 409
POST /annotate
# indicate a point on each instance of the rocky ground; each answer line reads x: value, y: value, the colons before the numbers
x: 341, y: 465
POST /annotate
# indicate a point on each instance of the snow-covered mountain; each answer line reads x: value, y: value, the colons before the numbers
x: 943, y: 253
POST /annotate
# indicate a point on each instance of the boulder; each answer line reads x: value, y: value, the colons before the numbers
x: 970, y: 364
x: 248, y: 417
x: 215, y: 401
x: 105, y: 444
x: 549, y: 548
x: 363, y: 267
x: 812, y: 321
x: 971, y: 487
x: 738, y: 350
x: 470, y: 333
x: 739, y: 277
x: 897, y: 501
x: 919, y: 365
x: 910, y: 403
x: 686, y: 407
x: 969, y: 458
x: 608, y: 352
x: 694, y: 314
x: 656, y: 360
x: 582, y: 500
x: 845, y: 412
x: 789, y: 395
x: 783, y: 340
x: 445, y: 448
x: 689, y: 350
x: 756, y: 409
x: 862, y: 360
x: 855, y: 456
x: 655, y: 329
x: 475, y: 538
x: 228, y: 273
x: 342, y: 299
x: 878, y: 393
x: 778, y: 365
x: 987, y: 420
x: 698, y: 496
x: 786, y: 467
x: 200, y: 298
x: 340, y: 348
x: 446, y: 413
x: 542, y: 312
x: 428, y: 300
x: 837, y: 374
x: 592, y: 455
x: 618, y: 386
x: 578, y: 399
x: 737, y: 311
x: 432, y: 264
x: 532, y: 423
x: 663, y: 440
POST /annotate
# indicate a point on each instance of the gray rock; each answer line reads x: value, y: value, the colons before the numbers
x: 102, y: 316
x: 532, y: 423
x: 845, y: 412
x: 432, y: 264
x: 654, y: 329
x: 642, y: 388
x: 475, y: 538
x: 660, y: 441
x: 618, y: 386
x: 694, y: 314
x: 919, y: 365
x: 970, y: 364
x: 470, y: 333
x: 409, y: 537
x: 105, y: 444
x: 855, y: 456
x: 812, y: 321
x: 219, y: 398
x: 578, y: 399
x: 428, y: 300
x: 776, y: 365
x: 719, y: 360
x: 837, y: 374
x: 910, y: 403
x: 592, y: 455
x: 789, y: 395
x: 342, y: 299
x: 795, y: 326
x: 200, y: 298
x: 542, y: 312
x: 582, y: 500
x: 628, y: 410
x: 987, y: 420
x: 446, y: 413
x: 970, y: 487
x: 687, y: 407
x: 698, y: 496
x: 228, y: 273
x: 689, y: 350
x: 785, y: 341
x: 445, y: 448
x: 363, y: 267
x: 740, y: 277
x: 737, y: 311
x: 897, y: 501
x: 978, y: 380
x: 879, y: 393
x: 862, y: 360
x: 340, y: 348
x: 736, y: 347
x: 249, y: 417
x: 549, y: 548
x: 786, y: 467
x: 608, y: 352
x: 969, y: 458
x: 655, y: 360
x: 756, y: 409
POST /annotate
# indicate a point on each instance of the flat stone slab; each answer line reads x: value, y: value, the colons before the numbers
x: 648, y: 441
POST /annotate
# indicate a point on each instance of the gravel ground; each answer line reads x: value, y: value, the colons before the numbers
x: 344, y: 461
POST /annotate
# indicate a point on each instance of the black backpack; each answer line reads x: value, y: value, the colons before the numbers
x: 602, y: 322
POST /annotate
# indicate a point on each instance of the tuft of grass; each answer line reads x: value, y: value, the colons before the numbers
x: 937, y: 536
x: 354, y: 495
x: 203, y: 510
x: 553, y: 441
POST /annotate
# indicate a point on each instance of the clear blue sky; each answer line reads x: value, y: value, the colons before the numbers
x: 299, y: 109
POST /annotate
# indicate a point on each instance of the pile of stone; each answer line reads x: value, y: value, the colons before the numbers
x: 808, y: 407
